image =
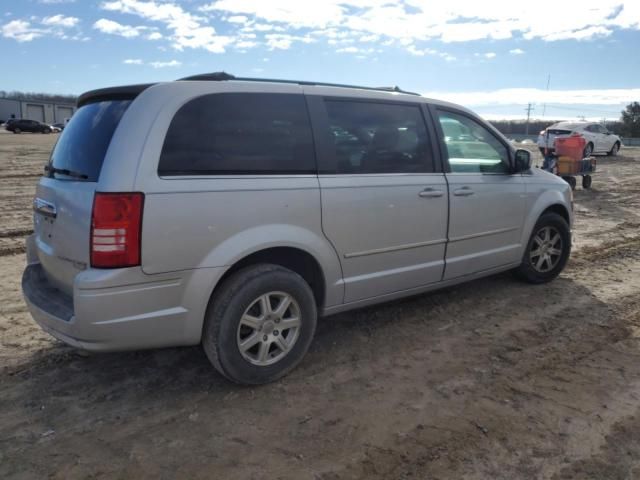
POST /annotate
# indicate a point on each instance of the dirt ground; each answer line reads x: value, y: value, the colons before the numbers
x: 490, y: 380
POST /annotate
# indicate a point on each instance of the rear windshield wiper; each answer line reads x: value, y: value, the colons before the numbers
x: 50, y: 171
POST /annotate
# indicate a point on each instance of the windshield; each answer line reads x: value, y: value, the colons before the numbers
x: 83, y: 143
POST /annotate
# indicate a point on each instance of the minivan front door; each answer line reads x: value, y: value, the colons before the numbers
x: 486, y: 202
x: 384, y: 208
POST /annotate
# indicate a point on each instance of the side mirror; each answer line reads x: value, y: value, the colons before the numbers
x: 522, y: 161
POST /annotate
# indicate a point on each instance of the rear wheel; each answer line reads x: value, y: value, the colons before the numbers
x: 588, y: 150
x: 547, y: 251
x: 586, y: 181
x: 16, y: 130
x: 615, y: 149
x: 259, y: 324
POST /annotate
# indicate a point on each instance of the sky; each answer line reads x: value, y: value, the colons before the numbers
x: 568, y: 59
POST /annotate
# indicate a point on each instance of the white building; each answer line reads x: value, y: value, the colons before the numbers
x: 41, y: 110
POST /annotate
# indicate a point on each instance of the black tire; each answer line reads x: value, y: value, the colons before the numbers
x: 571, y: 181
x: 614, y: 150
x: 16, y: 130
x: 229, y: 303
x: 586, y: 181
x: 527, y: 271
x: 588, y: 150
x: 46, y: 130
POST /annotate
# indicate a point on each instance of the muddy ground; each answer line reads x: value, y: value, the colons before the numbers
x: 490, y: 380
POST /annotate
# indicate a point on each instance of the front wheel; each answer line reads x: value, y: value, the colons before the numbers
x: 259, y: 324
x: 614, y: 150
x: 16, y: 130
x: 547, y: 251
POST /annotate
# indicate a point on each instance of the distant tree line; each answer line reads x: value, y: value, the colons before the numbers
x: 45, y: 97
x: 627, y: 126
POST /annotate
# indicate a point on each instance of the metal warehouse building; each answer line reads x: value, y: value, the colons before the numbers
x: 43, y: 111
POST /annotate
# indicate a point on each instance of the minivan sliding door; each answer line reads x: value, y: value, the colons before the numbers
x: 384, y: 207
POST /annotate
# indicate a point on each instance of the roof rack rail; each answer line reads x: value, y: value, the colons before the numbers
x: 223, y: 76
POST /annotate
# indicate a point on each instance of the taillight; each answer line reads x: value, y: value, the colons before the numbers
x: 116, y: 225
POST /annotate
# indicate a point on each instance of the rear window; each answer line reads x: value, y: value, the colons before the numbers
x: 239, y: 134
x: 83, y: 143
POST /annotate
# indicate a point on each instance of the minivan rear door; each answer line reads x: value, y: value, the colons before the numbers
x: 384, y: 205
x: 64, y: 195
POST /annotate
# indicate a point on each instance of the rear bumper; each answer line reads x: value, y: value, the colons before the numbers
x: 122, y: 309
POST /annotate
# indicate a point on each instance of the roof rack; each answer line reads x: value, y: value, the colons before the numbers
x: 223, y: 76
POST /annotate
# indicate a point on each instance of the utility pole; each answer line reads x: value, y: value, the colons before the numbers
x: 528, y: 109
x: 544, y: 106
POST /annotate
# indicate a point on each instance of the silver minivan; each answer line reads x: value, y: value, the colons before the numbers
x: 234, y: 212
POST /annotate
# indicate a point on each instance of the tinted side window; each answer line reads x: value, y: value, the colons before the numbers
x: 239, y: 133
x: 471, y: 147
x: 378, y: 137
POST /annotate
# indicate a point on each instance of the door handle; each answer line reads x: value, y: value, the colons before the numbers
x: 430, y: 193
x: 44, y: 208
x: 463, y: 192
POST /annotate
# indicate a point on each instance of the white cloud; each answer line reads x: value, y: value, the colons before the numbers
x: 237, y: 19
x: 490, y: 55
x: 154, y: 36
x: 156, y: 64
x: 348, y: 50
x: 188, y: 30
x: 522, y: 96
x: 172, y: 63
x: 54, y: 26
x: 60, y: 21
x: 281, y: 41
x: 421, y: 52
x: 21, y: 31
x: 114, y: 28
x: 516, y: 51
x: 451, y: 21
x: 246, y: 44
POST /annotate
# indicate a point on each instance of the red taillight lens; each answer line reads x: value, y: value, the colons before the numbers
x: 116, y: 223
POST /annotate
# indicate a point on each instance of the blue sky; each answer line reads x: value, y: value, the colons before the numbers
x: 492, y: 56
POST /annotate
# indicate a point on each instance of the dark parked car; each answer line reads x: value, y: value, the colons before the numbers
x: 19, y: 126
x: 59, y: 126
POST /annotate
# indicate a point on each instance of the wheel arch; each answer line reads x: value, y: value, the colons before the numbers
x: 560, y: 210
x: 555, y: 201
x: 292, y: 258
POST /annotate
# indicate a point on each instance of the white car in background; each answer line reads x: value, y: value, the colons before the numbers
x: 599, y: 139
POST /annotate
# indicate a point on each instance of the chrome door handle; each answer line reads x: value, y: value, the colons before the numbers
x: 430, y: 193
x: 44, y: 208
x: 463, y: 192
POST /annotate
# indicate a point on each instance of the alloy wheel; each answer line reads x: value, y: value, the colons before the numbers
x: 269, y: 328
x: 546, y: 249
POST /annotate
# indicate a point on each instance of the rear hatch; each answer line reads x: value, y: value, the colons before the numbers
x: 64, y: 196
